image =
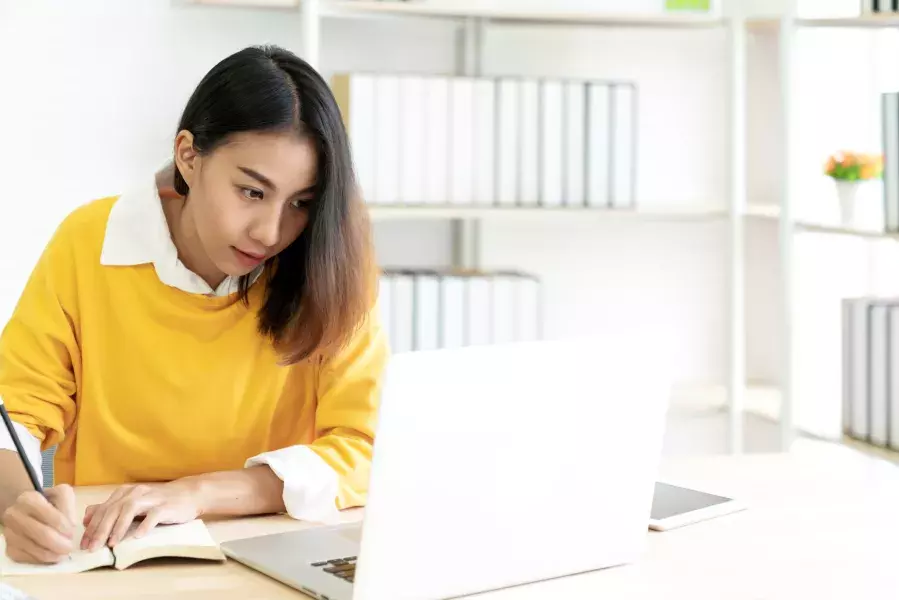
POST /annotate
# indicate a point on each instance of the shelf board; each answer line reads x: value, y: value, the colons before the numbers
x: 361, y: 8
x: 860, y: 22
x: 852, y: 22
x: 538, y: 214
x: 772, y: 213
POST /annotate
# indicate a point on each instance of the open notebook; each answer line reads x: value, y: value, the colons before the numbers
x: 189, y: 540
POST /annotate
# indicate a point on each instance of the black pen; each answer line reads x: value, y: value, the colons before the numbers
x: 35, y: 480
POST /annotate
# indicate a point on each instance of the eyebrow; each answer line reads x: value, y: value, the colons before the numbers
x: 260, y: 178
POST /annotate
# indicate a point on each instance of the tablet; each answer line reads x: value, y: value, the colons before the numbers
x: 674, y: 506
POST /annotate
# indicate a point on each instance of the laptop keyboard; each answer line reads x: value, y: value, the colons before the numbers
x: 344, y: 568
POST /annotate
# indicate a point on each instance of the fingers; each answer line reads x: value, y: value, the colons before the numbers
x: 88, y: 514
x: 39, y: 508
x: 63, y: 498
x: 21, y: 556
x: 153, y: 518
x: 111, y: 520
x: 131, y: 508
x: 97, y: 533
x: 97, y: 512
x: 30, y: 541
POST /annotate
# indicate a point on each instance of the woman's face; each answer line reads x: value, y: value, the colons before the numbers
x: 249, y: 197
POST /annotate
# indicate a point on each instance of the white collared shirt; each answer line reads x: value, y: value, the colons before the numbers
x: 137, y: 233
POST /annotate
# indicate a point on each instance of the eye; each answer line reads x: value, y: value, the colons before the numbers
x: 251, y: 193
x: 301, y: 203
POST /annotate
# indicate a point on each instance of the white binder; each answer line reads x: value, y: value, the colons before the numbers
x: 529, y: 317
x: 848, y: 357
x: 508, y: 141
x: 574, y: 149
x: 858, y: 372
x: 462, y: 141
x: 505, y: 309
x: 356, y: 96
x: 551, y: 144
x: 412, y: 139
x: 427, y: 311
x: 480, y: 310
x: 890, y: 135
x: 453, y: 304
x: 893, y: 406
x: 623, y: 145
x: 403, y: 300
x: 485, y: 141
x: 385, y: 304
x: 529, y: 150
x: 387, y: 139
x: 437, y: 140
x: 878, y: 375
x: 598, y: 145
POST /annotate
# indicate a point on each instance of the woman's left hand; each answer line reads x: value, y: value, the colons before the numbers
x: 162, y: 503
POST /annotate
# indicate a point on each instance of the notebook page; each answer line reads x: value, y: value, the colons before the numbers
x: 187, y: 535
x: 77, y: 562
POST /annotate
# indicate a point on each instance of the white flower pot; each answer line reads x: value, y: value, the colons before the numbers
x: 847, y: 192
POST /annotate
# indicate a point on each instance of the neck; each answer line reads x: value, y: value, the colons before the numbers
x: 182, y: 228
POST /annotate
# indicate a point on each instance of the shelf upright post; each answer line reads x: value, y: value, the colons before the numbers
x: 787, y: 36
x: 311, y: 32
x: 736, y: 230
x: 466, y: 233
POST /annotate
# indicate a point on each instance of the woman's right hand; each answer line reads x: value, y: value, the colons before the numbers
x: 41, y: 529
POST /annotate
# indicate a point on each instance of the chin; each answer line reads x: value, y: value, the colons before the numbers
x: 238, y: 271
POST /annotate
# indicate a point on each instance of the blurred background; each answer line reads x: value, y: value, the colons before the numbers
x: 698, y: 173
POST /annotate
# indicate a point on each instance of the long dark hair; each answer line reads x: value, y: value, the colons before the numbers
x: 320, y: 288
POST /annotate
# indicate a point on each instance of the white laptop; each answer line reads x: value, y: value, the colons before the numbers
x: 493, y: 467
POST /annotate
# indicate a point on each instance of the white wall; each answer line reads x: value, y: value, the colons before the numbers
x: 92, y: 91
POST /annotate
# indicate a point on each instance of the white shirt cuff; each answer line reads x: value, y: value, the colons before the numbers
x: 310, y: 484
x: 30, y: 443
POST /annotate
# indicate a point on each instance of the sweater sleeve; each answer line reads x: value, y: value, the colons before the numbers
x: 332, y: 472
x: 349, y: 394
x: 38, y: 347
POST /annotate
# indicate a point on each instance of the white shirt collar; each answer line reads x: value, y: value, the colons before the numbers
x: 137, y: 233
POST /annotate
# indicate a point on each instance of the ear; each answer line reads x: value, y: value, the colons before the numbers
x: 186, y: 156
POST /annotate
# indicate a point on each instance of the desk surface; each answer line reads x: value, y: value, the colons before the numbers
x: 823, y: 522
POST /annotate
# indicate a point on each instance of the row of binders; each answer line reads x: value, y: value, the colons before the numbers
x: 871, y: 370
x: 430, y: 310
x: 874, y: 7
x: 491, y: 141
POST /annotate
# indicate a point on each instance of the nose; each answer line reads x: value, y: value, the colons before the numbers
x: 267, y: 226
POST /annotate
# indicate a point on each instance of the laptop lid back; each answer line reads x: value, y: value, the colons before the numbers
x: 501, y: 465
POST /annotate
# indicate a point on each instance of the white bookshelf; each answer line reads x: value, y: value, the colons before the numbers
x: 740, y: 17
x: 473, y: 17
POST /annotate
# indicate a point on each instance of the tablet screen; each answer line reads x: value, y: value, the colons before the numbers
x: 671, y: 501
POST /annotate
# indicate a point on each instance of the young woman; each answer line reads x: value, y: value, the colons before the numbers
x: 206, y: 342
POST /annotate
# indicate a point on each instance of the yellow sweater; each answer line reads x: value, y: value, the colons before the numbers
x: 138, y: 381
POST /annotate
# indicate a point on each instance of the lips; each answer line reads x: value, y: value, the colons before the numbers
x: 253, y: 255
x: 250, y: 259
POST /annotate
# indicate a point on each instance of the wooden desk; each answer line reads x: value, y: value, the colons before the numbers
x: 823, y: 523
